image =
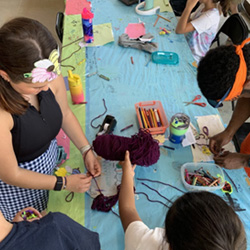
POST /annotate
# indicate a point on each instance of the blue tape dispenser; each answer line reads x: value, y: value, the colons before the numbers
x: 165, y: 57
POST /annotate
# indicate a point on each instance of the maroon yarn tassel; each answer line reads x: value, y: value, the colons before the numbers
x: 105, y: 203
x: 143, y: 149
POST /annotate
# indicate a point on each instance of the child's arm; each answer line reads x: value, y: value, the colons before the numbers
x: 72, y: 127
x: 127, y: 207
x: 183, y: 25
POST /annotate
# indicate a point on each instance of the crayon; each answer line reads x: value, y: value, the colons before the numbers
x: 129, y: 126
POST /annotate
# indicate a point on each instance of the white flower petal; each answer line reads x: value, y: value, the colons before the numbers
x: 45, y: 63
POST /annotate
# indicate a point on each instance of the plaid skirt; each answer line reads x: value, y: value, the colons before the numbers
x: 13, y: 199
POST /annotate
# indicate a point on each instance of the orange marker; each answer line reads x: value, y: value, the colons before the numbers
x: 146, y: 117
x: 153, y: 117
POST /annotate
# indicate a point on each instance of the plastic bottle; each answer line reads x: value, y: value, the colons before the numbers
x: 87, y: 25
x: 75, y: 88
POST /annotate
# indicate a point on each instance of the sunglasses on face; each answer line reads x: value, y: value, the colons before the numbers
x: 218, y: 104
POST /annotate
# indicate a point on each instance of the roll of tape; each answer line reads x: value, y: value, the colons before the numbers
x: 106, y: 126
x: 145, y: 12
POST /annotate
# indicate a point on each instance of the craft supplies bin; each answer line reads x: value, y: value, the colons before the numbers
x: 165, y: 57
x: 213, y: 169
x: 153, y: 105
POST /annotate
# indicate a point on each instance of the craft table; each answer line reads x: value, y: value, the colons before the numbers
x: 129, y: 84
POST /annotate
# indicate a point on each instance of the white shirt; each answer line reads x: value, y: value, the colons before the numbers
x: 206, y: 25
x: 139, y: 237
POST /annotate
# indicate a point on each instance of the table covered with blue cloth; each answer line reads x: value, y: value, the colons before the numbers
x: 132, y: 81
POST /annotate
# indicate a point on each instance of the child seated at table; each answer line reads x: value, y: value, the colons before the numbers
x: 200, y: 27
x: 194, y: 220
x: 53, y: 231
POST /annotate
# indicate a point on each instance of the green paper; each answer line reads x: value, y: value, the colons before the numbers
x: 164, y: 5
x: 57, y: 203
x: 73, y: 32
x: 103, y: 34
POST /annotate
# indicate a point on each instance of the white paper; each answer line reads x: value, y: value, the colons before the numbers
x: 189, y: 138
x: 215, y: 126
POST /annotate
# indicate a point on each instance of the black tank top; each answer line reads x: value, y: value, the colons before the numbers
x: 33, y: 131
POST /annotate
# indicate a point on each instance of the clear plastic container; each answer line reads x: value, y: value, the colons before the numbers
x: 213, y: 169
x: 165, y: 57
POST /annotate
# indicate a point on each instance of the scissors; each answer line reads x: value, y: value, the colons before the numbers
x: 202, y: 104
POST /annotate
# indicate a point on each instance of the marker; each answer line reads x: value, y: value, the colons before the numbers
x: 146, y: 117
x: 187, y: 176
x: 194, y: 181
x: 144, y: 120
x: 153, y: 117
x: 157, y: 118
x: 104, y: 77
x: 168, y: 147
x: 129, y: 126
x: 91, y: 74
x: 139, y: 109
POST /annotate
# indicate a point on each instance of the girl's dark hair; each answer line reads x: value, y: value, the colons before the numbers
x: 23, y: 41
x: 203, y: 220
x: 225, y: 5
x: 217, y: 70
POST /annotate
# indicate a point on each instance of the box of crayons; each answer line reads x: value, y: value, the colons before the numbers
x: 200, y: 176
x: 151, y: 116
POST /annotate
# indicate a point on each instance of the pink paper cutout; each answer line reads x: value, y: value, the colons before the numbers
x: 75, y: 7
x: 63, y: 140
x: 135, y: 30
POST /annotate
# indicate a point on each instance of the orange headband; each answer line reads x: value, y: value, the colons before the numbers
x: 241, y: 75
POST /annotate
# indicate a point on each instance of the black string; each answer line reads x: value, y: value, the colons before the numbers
x: 152, y: 200
x: 91, y: 123
x: 69, y: 197
x: 156, y: 192
x: 166, y: 184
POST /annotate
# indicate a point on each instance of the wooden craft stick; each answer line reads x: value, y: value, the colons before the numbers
x: 163, y: 18
x: 156, y: 20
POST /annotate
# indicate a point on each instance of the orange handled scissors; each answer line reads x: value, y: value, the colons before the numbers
x: 198, y: 97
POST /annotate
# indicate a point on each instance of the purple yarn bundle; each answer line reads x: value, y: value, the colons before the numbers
x: 143, y: 149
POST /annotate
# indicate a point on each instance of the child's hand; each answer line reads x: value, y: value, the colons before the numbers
x: 19, y: 217
x: 127, y: 166
x: 191, y: 3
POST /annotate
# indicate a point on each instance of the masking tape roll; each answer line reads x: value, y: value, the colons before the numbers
x: 106, y: 126
x: 145, y: 12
